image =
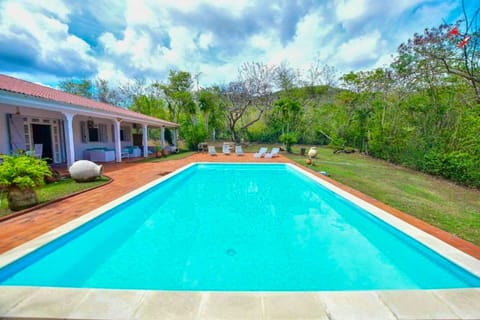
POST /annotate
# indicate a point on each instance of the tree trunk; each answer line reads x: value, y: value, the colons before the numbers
x: 19, y: 199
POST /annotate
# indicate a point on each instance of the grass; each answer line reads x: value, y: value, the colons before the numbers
x: 439, y: 202
x: 54, y: 191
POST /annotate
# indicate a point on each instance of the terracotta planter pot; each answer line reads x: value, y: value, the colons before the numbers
x: 19, y: 199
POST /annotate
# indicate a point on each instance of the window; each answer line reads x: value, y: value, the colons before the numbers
x: 125, y: 133
x: 93, y: 134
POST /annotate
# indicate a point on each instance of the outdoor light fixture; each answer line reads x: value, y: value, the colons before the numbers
x: 90, y: 123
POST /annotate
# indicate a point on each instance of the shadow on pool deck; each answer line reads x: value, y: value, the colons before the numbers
x: 130, y: 176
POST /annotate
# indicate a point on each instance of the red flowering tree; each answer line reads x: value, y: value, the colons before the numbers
x: 448, y: 49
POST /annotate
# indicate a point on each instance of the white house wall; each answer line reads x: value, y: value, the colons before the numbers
x: 6, y: 110
x: 81, y: 146
x: 4, y: 148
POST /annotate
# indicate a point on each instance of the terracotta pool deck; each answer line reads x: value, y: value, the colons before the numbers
x: 52, y: 303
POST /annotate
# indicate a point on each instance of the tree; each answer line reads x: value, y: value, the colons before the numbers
x: 209, y: 103
x: 286, y: 78
x: 246, y: 100
x: 289, y: 112
x: 178, y: 94
x: 78, y: 87
x: 104, y: 93
x: 442, y: 51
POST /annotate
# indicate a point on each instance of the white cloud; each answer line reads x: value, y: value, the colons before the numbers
x: 150, y: 37
x: 205, y: 40
x: 350, y: 9
x: 47, y: 33
x: 360, y: 50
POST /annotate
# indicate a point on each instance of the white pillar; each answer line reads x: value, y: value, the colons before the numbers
x: 118, y: 143
x: 145, y: 141
x: 70, y: 144
x: 162, y: 137
x: 174, y: 140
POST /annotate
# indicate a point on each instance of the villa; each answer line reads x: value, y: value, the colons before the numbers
x: 205, y: 237
x: 69, y: 127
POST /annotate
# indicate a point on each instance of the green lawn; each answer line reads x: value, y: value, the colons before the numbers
x: 437, y: 201
x: 55, y: 190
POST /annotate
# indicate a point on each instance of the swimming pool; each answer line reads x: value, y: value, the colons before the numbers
x: 237, y: 227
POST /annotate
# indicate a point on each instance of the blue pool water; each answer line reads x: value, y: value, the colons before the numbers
x: 237, y: 227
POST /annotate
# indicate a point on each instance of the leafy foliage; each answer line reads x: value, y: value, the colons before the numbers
x: 288, y: 140
x: 23, y: 171
x: 422, y: 112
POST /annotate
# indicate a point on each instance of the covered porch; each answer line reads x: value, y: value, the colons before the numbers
x: 66, y: 128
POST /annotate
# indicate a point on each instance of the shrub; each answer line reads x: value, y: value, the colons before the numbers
x: 23, y: 171
x: 288, y: 139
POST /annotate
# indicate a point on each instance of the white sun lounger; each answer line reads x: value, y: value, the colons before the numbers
x: 261, y: 152
x: 238, y: 150
x: 273, y: 153
x: 212, y: 151
x: 226, y: 149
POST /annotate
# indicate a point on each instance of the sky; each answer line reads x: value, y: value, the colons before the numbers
x: 53, y: 40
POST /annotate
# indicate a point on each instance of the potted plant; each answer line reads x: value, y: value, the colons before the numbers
x: 158, y: 151
x: 20, y: 174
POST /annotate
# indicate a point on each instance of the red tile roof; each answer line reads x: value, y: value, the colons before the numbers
x: 15, y: 85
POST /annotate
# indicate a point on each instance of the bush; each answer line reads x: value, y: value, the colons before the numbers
x: 458, y: 166
x: 288, y: 139
x: 193, y: 135
x: 23, y: 171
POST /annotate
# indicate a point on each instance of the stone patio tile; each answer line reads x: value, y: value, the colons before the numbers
x: 417, y: 305
x: 355, y: 305
x: 303, y: 305
x: 108, y: 304
x: 48, y: 303
x: 225, y: 305
x: 169, y: 305
x: 10, y: 297
x: 464, y: 302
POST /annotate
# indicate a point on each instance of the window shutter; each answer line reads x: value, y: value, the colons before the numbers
x: 83, y: 131
x: 102, y: 132
x: 128, y: 134
x: 113, y: 133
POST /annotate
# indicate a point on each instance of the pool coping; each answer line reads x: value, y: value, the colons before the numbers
x: 322, y: 298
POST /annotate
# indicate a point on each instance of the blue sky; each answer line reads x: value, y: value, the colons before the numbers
x: 52, y: 40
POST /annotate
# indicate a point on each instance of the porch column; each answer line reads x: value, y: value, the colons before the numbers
x: 145, y: 141
x: 174, y: 139
x: 118, y: 143
x: 70, y: 145
x: 162, y: 137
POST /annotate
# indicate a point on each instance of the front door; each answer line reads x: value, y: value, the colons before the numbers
x: 41, y: 133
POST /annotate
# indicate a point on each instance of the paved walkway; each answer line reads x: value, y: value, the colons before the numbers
x: 130, y: 176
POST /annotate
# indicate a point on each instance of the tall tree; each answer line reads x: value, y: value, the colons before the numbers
x: 83, y: 87
x: 246, y: 100
x: 178, y: 93
x: 105, y: 93
x: 209, y: 102
x: 450, y: 48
